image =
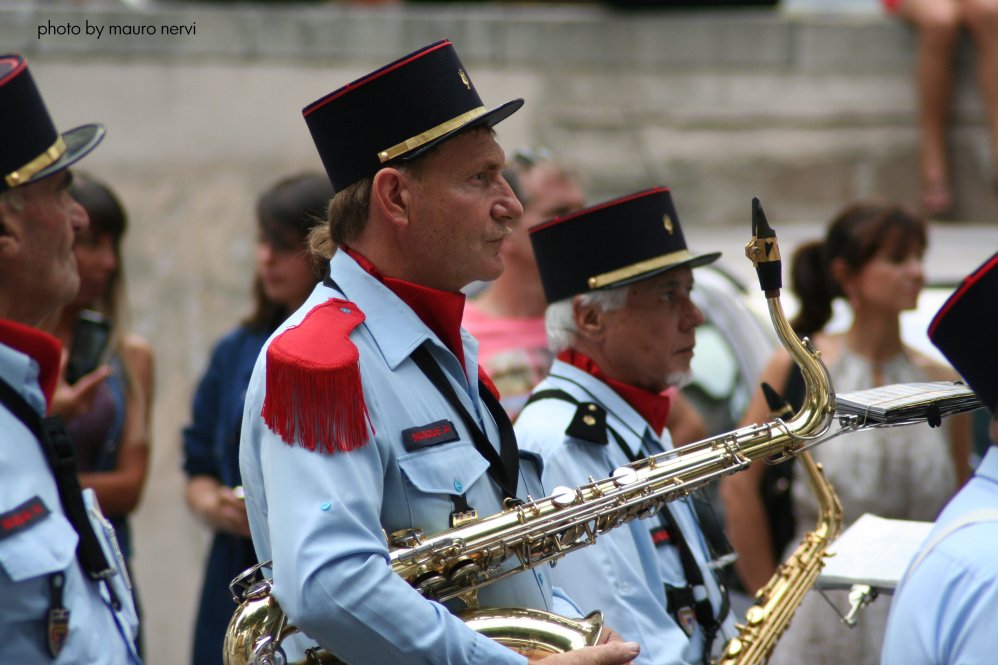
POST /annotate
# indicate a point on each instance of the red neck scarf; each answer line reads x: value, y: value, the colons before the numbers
x: 653, y: 407
x: 441, y: 311
x: 45, y: 349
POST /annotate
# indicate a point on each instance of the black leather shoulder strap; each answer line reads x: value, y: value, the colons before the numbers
x: 589, y: 421
x: 58, y: 450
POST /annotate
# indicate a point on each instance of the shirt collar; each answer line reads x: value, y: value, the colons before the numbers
x: 652, y: 407
x: 44, y: 349
x: 441, y: 311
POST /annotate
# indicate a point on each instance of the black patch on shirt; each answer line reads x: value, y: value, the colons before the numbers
x: 28, y: 513
x: 589, y: 423
x: 661, y: 536
x: 433, y: 434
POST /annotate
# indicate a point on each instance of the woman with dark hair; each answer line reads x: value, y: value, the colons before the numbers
x: 108, y: 411
x: 285, y: 276
x: 871, y: 257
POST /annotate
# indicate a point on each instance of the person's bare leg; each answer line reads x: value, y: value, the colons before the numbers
x: 937, y: 22
x: 981, y: 19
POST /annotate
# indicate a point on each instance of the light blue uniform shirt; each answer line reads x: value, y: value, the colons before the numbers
x: 320, y: 516
x: 29, y: 556
x: 946, y: 612
x: 623, y: 573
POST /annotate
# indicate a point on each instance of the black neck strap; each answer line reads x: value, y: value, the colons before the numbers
x: 58, y: 450
x: 504, y: 466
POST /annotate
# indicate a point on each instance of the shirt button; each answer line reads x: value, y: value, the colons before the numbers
x: 325, y: 505
x: 458, y: 487
x: 540, y: 577
x: 345, y: 310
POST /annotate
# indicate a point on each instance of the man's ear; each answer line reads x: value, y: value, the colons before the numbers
x: 391, y: 193
x: 8, y: 239
x: 589, y: 319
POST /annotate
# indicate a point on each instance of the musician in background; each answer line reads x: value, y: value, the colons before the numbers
x: 944, y: 609
x: 507, y: 318
x: 367, y: 412
x: 63, y: 588
x: 618, y: 278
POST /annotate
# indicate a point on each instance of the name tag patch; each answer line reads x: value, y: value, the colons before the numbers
x: 31, y: 511
x: 433, y: 434
x: 661, y: 536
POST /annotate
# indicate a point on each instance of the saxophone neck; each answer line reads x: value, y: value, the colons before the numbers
x: 763, y: 250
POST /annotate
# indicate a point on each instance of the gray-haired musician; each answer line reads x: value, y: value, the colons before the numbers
x: 618, y: 277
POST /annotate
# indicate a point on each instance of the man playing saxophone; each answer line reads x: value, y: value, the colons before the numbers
x: 367, y: 412
x: 618, y: 278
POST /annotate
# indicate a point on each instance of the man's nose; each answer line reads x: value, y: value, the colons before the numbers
x: 508, y: 207
x: 78, y: 218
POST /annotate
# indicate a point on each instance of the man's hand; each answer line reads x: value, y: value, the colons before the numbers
x: 612, y: 650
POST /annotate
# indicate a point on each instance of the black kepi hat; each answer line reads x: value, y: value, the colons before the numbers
x: 396, y: 113
x: 612, y: 244
x: 32, y: 148
x: 965, y: 329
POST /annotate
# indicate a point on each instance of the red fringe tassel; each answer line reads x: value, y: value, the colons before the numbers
x: 314, y: 392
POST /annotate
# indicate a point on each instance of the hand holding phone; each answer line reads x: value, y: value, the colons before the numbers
x: 91, y: 334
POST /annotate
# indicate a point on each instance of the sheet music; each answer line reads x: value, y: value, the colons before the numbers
x: 904, y: 402
x: 875, y: 551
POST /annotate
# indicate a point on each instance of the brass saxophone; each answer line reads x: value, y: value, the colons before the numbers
x: 457, y: 562
x: 776, y: 602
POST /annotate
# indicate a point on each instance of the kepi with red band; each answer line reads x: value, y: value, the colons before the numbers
x: 396, y: 113
x: 966, y: 328
x: 612, y: 244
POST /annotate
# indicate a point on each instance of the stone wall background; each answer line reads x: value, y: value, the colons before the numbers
x: 806, y: 108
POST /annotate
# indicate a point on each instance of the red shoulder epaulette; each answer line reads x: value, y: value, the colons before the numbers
x: 314, y: 394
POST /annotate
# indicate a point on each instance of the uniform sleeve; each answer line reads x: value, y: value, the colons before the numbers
x: 330, y: 561
x: 206, y: 409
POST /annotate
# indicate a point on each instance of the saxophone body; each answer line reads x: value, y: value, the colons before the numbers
x: 457, y: 562
x: 777, y: 601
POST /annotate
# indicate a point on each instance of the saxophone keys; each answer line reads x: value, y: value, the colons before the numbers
x: 563, y: 496
x: 756, y: 615
x: 407, y: 537
x: 624, y: 475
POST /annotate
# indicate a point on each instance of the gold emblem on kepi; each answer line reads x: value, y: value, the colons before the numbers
x: 667, y: 222
x: 464, y: 79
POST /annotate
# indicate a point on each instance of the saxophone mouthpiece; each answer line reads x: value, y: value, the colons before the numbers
x: 764, y: 251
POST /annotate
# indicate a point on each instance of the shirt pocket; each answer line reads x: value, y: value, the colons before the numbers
x: 449, y: 469
x: 43, y: 548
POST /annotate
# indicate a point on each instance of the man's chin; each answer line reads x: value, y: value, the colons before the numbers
x: 679, y: 380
